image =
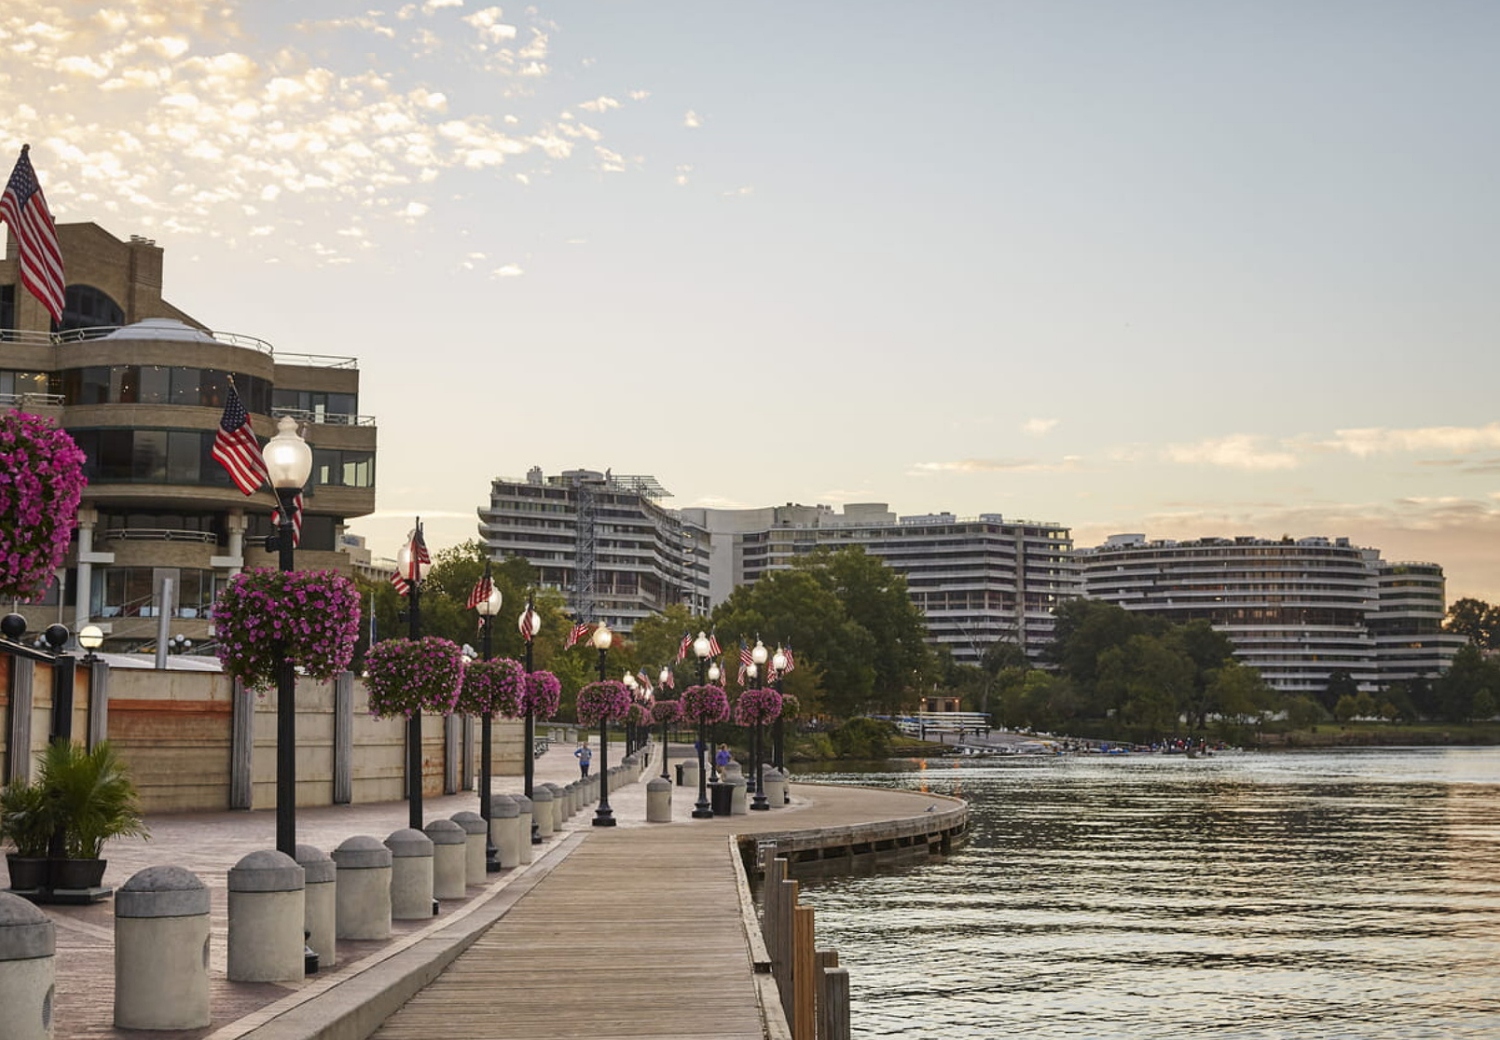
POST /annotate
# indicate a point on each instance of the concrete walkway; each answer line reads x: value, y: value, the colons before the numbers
x: 583, y: 930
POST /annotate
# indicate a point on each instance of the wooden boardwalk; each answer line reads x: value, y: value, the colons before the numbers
x: 637, y: 933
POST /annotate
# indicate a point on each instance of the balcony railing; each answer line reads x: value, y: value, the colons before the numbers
x: 232, y: 339
x: 323, y: 418
x: 31, y: 400
x: 158, y: 534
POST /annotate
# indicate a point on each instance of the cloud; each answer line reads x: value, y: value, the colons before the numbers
x: 508, y: 271
x: 692, y: 120
x: 1237, y: 451
x: 1038, y: 427
x: 1457, y: 440
x: 599, y: 104
x: 682, y: 174
x: 1068, y: 463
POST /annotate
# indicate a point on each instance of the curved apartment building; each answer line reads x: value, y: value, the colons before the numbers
x: 1296, y: 610
x: 141, y: 387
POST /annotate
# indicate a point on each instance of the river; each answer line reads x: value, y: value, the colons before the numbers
x: 1316, y: 895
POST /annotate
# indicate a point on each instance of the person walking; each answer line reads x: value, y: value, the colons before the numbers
x: 584, y: 756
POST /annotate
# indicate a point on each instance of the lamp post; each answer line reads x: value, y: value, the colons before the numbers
x: 662, y: 679
x: 530, y: 623
x: 91, y: 638
x: 702, y: 810
x: 778, y: 746
x: 288, y: 462
x: 604, y: 816
x: 758, y: 656
x: 413, y: 563
x: 487, y: 608
x: 635, y: 695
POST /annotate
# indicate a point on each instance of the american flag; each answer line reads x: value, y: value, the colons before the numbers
x: 684, y: 646
x: 745, y: 655
x: 640, y: 673
x: 402, y: 585
x: 526, y: 622
x: 235, y: 447
x: 669, y: 681
x: 791, y: 662
x: 24, y: 208
x: 419, y: 555
x: 740, y: 678
x: 576, y: 633
x: 296, y: 519
x: 713, y: 645
x: 481, y: 592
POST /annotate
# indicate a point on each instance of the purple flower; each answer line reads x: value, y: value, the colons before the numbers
x: 496, y: 687
x: 666, y: 711
x: 543, y: 694
x: 607, y: 700
x: 408, y: 675
x: 39, y: 497
x: 756, y: 706
x: 705, y: 704
x: 312, y: 615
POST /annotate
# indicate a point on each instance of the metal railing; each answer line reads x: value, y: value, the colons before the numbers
x: 157, y: 534
x: 232, y: 339
x: 31, y: 399
x: 323, y: 418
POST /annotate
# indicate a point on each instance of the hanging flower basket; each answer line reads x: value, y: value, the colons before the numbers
x: 638, y: 715
x: 494, y: 687
x: 543, y: 695
x: 605, y: 701
x: 666, y: 712
x: 41, y: 482
x: 757, y: 706
x: 405, y: 675
x: 705, y: 704
x: 312, y: 615
x: 790, y: 706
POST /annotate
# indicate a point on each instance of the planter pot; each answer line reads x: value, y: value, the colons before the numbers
x: 77, y: 873
x: 26, y: 874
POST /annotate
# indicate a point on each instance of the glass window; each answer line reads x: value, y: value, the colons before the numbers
x: 149, y: 461
x: 115, y: 451
x: 125, y: 384
x: 212, y: 386
x: 156, y: 384
x: 184, y: 456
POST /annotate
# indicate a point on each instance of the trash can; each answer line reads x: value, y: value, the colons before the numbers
x: 720, y: 796
x: 678, y: 767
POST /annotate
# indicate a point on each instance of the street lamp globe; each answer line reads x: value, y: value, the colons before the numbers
x: 490, y: 605
x: 91, y: 637
x: 629, y: 680
x: 530, y: 623
x: 701, y: 646
x: 602, y: 637
x: 409, y: 569
x: 714, y: 672
x: 760, y: 653
x: 287, y: 456
x: 663, y: 675
x: 778, y: 661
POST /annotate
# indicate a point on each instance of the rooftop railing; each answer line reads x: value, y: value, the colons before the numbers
x: 323, y: 418
x: 185, y: 334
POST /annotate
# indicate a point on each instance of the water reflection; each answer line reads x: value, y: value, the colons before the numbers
x: 1311, y: 895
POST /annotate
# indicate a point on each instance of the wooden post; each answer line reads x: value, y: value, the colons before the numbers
x: 782, y: 960
x: 827, y: 960
x: 804, y: 964
x: 833, y: 1014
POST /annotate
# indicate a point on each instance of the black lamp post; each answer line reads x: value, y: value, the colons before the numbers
x: 487, y: 608
x: 604, y: 816
x: 413, y: 563
x: 530, y: 623
x: 288, y: 464
x: 634, y: 687
x: 778, y: 745
x: 662, y: 678
x: 702, y: 810
x: 758, y: 657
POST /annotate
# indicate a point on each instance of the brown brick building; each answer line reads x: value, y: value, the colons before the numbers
x: 140, y: 386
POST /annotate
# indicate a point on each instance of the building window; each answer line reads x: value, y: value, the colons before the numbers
x: 161, y: 384
x: 85, y: 307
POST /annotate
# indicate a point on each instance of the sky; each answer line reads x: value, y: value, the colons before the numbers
x: 1187, y: 268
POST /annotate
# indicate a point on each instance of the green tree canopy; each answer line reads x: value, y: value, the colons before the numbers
x: 1476, y: 619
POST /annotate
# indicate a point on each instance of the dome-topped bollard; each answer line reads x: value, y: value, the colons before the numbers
x: 505, y: 831
x: 28, y: 943
x: 320, y: 904
x: 161, y: 951
x: 476, y: 845
x: 659, y: 800
x: 449, y: 859
x: 363, y: 899
x: 411, y: 874
x: 267, y: 914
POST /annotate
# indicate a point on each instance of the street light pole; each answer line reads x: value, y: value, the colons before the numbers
x: 702, y: 810
x: 288, y: 462
x: 778, y: 744
x: 530, y: 623
x: 487, y: 608
x: 758, y: 657
x: 604, y: 816
x: 662, y: 677
x: 413, y: 563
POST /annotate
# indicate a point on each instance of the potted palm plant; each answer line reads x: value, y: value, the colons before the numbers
x: 92, y: 800
x: 27, y: 822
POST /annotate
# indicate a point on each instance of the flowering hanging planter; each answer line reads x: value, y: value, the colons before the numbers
x: 41, y: 482
x: 605, y: 701
x: 406, y: 676
x: 757, y: 706
x: 543, y: 695
x: 638, y: 715
x: 666, y: 712
x: 313, y: 616
x: 705, y: 704
x: 495, y: 687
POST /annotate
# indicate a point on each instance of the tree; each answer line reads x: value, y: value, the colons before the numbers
x: 1147, y: 682
x: 1208, y: 651
x: 1340, y: 684
x: 657, y: 638
x: 1086, y: 628
x: 1458, y: 690
x: 1476, y: 619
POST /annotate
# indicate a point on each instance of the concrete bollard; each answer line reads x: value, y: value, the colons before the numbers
x: 505, y: 831
x: 320, y: 903
x: 267, y: 910
x: 28, y: 944
x: 525, y: 826
x: 738, y: 805
x: 541, y: 809
x: 411, y: 874
x: 690, y: 773
x: 476, y: 845
x: 363, y: 899
x: 450, y: 871
x: 775, y: 788
x: 659, y: 800
x: 161, y: 951
x: 558, y: 805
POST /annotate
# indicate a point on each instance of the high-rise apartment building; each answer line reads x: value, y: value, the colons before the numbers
x: 602, y: 540
x: 978, y: 580
x: 1297, y: 610
x: 140, y: 386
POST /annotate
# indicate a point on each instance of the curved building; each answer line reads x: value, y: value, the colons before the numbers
x: 141, y: 387
x: 1296, y: 610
